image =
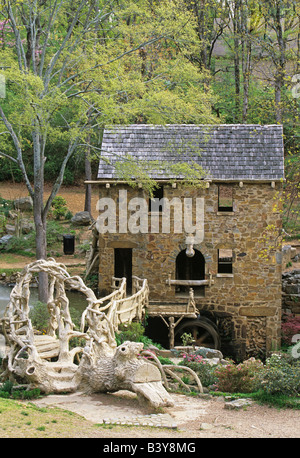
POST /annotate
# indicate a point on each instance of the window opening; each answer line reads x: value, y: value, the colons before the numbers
x: 190, y: 268
x: 225, y: 261
x: 154, y: 204
x: 225, y: 198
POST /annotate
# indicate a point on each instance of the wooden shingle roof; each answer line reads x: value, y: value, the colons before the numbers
x: 226, y: 152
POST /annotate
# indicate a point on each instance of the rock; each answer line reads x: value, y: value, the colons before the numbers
x: 206, y: 426
x: 24, y: 203
x: 81, y: 219
x: 295, y: 272
x: 206, y: 394
x: 152, y: 348
x: 11, y: 230
x: 288, y: 254
x: 12, y: 215
x: 208, y: 352
x: 237, y: 404
x: 292, y: 289
x: 212, y: 361
x: 27, y: 227
x: 5, y: 239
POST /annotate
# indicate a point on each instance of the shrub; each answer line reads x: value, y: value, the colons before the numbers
x: 39, y: 316
x: 204, y: 370
x: 164, y: 360
x: 133, y: 332
x: 59, y: 205
x: 2, y: 223
x: 26, y: 394
x: 290, y: 327
x: 5, y: 206
x: 4, y: 394
x: 7, y: 391
x: 55, y: 232
x: 68, y: 215
x: 7, y: 386
x: 281, y: 375
x: 240, y: 378
x: 187, y: 339
x: 21, y: 244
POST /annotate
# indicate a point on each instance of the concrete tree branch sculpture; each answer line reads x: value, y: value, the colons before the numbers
x: 47, y: 361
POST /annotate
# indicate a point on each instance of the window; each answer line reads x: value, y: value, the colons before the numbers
x: 225, y: 198
x: 190, y: 269
x: 154, y: 204
x: 225, y: 261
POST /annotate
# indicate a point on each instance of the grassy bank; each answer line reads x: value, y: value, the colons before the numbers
x: 19, y: 419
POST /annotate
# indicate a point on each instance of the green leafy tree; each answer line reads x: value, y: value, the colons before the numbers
x: 74, y: 66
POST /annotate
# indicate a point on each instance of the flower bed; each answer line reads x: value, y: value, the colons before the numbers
x: 280, y: 374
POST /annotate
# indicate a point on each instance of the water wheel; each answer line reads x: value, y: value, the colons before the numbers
x: 204, y: 333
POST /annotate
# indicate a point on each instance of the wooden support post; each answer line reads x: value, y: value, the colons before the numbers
x: 171, y: 331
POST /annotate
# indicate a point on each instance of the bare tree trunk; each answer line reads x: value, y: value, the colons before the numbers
x: 280, y: 70
x: 246, y: 57
x: 38, y: 211
x: 236, y: 40
x: 41, y: 244
x: 88, y: 177
x: 278, y: 105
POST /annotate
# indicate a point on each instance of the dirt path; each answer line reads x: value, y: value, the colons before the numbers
x: 74, y: 195
x: 194, y: 417
x: 75, y: 266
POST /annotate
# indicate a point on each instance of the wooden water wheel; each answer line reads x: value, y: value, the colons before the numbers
x: 203, y: 331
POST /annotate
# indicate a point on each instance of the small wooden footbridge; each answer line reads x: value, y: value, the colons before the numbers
x: 49, y: 362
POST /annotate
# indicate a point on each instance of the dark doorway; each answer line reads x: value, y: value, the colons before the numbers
x: 123, y: 265
x: 190, y: 268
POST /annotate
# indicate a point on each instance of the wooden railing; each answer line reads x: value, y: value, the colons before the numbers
x: 103, y: 305
x: 126, y: 310
x: 116, y: 308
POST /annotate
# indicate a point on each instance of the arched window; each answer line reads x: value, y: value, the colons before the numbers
x: 190, y: 268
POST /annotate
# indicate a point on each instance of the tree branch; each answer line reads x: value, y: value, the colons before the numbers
x: 19, y: 151
x: 9, y: 157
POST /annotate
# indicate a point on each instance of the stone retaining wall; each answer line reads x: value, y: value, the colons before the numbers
x: 291, y: 292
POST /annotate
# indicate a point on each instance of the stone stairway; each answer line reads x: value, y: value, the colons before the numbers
x: 47, y: 346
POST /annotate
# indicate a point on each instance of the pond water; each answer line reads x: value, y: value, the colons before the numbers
x: 77, y: 299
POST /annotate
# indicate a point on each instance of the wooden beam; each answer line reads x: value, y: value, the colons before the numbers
x: 188, y: 282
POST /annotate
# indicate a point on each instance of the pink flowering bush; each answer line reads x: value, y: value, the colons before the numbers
x: 203, y: 369
x: 290, y: 327
x: 238, y: 378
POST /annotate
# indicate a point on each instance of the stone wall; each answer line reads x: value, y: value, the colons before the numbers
x: 291, y: 292
x: 246, y: 303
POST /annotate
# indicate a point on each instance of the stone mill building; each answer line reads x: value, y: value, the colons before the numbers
x: 213, y: 284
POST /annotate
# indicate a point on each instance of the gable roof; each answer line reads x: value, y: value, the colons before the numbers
x: 227, y: 152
